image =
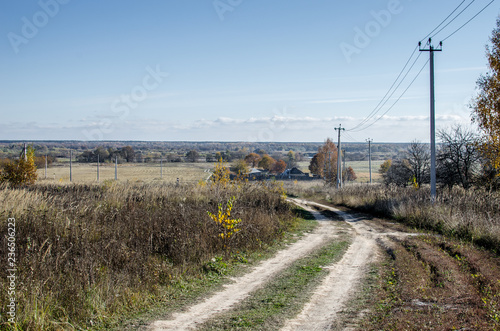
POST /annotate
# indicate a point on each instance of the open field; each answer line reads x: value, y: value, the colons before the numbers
x: 88, y: 255
x: 146, y: 172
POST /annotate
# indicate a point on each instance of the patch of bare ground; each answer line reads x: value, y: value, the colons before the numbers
x: 433, y: 283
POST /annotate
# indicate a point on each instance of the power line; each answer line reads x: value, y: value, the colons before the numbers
x: 437, y: 27
x: 373, y: 112
x: 454, y: 18
x: 389, y: 94
x: 383, y: 102
x: 473, y: 17
x: 351, y: 137
x: 399, y: 98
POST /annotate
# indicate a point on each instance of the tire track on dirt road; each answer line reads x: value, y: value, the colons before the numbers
x: 345, y: 276
x: 243, y: 286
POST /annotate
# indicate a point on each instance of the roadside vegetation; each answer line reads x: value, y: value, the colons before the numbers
x: 90, y: 255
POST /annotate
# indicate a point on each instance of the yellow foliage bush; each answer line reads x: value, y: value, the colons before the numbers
x: 223, y: 217
x: 22, y: 171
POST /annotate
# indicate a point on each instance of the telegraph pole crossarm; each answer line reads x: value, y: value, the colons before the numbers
x: 431, y: 51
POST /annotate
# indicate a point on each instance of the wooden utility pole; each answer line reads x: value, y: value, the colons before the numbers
x: 431, y: 51
x: 339, y: 158
x: 45, y: 166
x: 116, y: 167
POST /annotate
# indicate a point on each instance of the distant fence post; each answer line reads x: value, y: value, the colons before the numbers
x: 70, y: 166
x: 161, y: 167
x: 45, y: 166
x: 116, y: 167
x: 98, y: 168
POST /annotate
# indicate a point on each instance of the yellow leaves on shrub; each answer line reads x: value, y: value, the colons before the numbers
x: 22, y: 171
x: 221, y: 175
x: 223, y: 217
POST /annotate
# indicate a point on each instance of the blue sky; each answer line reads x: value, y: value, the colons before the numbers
x: 231, y: 70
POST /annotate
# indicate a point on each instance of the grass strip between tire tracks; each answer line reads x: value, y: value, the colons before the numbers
x: 282, y: 298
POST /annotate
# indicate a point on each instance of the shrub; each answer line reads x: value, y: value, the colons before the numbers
x: 21, y: 171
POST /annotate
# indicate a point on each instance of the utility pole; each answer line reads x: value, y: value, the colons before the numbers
x: 339, y: 159
x: 116, y: 167
x: 70, y: 165
x: 25, y: 152
x: 45, y: 166
x: 161, y: 167
x: 370, y: 157
x: 98, y: 168
x: 343, y: 171
x: 431, y: 51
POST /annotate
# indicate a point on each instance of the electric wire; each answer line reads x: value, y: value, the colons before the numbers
x: 384, y: 99
x: 395, y: 102
x: 437, y: 27
x: 388, y: 91
x: 454, y: 18
x: 473, y: 17
x: 360, y: 126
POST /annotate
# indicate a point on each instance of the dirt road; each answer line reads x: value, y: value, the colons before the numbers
x: 328, y: 299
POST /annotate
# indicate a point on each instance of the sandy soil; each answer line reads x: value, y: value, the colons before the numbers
x: 345, y: 276
x: 242, y: 286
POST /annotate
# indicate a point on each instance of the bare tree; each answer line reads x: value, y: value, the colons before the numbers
x: 418, y: 156
x: 458, y: 157
x: 399, y: 173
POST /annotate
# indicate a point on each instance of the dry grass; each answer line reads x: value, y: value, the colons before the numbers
x: 472, y: 215
x: 145, y: 172
x: 89, y: 254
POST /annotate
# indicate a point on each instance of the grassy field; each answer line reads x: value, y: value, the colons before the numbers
x: 186, y: 172
x: 146, y: 172
x: 90, y: 255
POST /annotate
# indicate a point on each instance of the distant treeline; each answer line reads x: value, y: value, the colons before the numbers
x: 152, y: 151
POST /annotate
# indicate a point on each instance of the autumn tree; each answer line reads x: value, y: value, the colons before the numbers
x: 21, y: 171
x: 291, y: 160
x: 384, y: 167
x: 486, y: 105
x: 349, y: 175
x: 324, y: 163
x: 240, y: 167
x: 278, y: 167
x: 252, y: 159
x: 266, y: 162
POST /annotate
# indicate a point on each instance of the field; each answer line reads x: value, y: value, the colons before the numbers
x: 90, y: 254
x: 145, y: 172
